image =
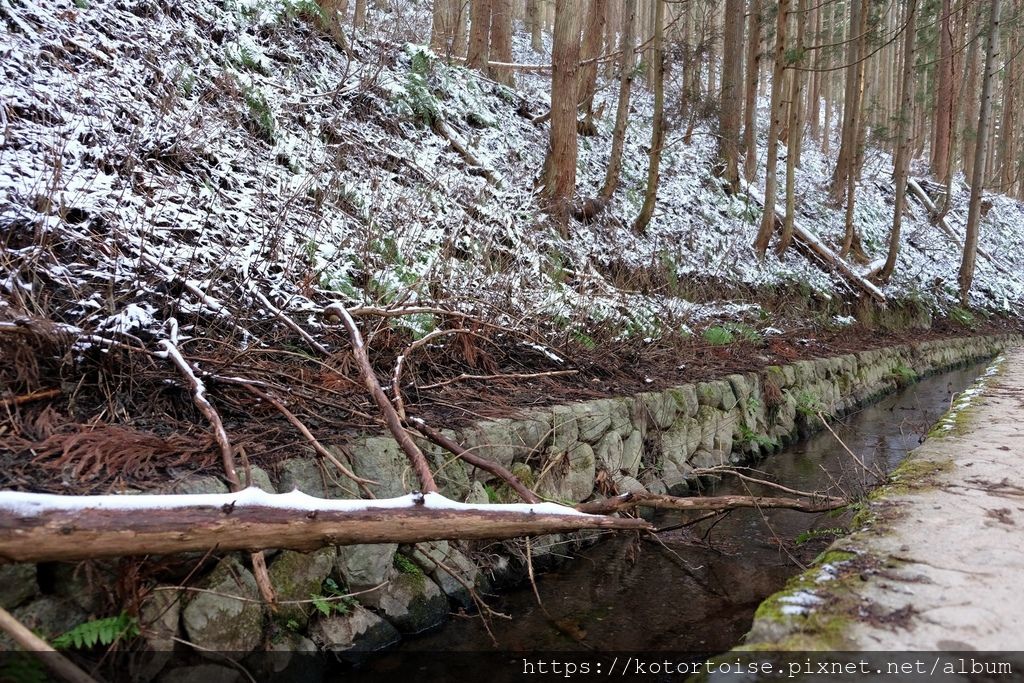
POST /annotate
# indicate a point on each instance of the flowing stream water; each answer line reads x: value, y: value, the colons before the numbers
x: 698, y: 589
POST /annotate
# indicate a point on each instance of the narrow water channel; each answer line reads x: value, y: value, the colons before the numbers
x: 699, y: 588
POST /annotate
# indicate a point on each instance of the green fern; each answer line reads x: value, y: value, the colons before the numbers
x: 98, y: 632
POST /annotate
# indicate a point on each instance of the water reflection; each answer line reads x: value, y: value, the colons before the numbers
x: 698, y: 588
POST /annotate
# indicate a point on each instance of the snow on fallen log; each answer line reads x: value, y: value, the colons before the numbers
x: 944, y: 226
x: 820, y: 249
x: 38, y: 527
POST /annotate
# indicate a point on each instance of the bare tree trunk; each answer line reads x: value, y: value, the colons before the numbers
x: 359, y: 15
x: 627, y: 64
x: 848, y: 136
x: 851, y: 240
x: 478, y: 52
x: 902, y: 163
x: 750, y: 105
x: 559, y: 178
x: 943, y: 97
x: 658, y: 124
x: 501, y: 42
x: 795, y: 132
x: 441, y: 27
x: 977, y: 181
x: 814, y: 96
x: 1006, y: 163
x: 969, y: 135
x: 536, y: 24
x: 771, y: 187
x: 593, y: 38
x: 732, y: 96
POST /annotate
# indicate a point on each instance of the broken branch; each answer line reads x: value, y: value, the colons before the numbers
x: 475, y: 460
x: 412, y: 451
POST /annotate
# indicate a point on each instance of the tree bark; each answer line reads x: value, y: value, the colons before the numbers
x: 977, y: 180
x: 753, y: 69
x: 253, y: 520
x: 795, y: 132
x: 658, y: 124
x: 731, y: 97
x: 627, y: 67
x: 536, y: 24
x: 848, y: 135
x: 943, y: 97
x: 501, y: 42
x: 478, y: 51
x: 593, y: 38
x: 771, y: 187
x: 559, y: 177
x: 902, y: 163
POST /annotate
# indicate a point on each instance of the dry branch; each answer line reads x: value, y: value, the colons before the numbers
x: 396, y: 380
x: 944, y: 227
x: 475, y: 460
x: 511, y: 375
x: 170, y: 351
x: 291, y: 324
x: 460, y: 146
x: 30, y: 642
x: 317, y: 446
x: 38, y: 395
x: 717, y: 503
x: 198, y: 389
x: 67, y: 528
x: 412, y: 451
x: 821, y: 251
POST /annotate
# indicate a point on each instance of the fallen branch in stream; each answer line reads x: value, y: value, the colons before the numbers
x: 654, y: 500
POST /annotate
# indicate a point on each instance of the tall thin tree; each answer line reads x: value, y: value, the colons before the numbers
x: 771, y: 183
x: 559, y: 176
x: 966, y: 276
x: 903, y: 131
x: 732, y: 96
x: 627, y: 71
x: 658, y: 124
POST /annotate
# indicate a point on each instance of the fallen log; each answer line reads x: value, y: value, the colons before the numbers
x: 944, y: 227
x: 38, y: 527
x: 814, y: 245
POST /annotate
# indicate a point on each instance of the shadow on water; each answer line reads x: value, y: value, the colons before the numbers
x: 699, y: 588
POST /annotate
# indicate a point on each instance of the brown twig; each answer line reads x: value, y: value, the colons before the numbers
x: 372, y: 385
x: 511, y: 375
x: 396, y: 386
x: 633, y: 499
x: 30, y: 642
x: 745, y: 477
x: 474, y: 460
x: 294, y: 326
x: 38, y: 395
x: 170, y: 351
x: 317, y: 446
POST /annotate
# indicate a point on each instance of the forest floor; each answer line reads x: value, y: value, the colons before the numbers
x: 224, y: 171
x: 937, y: 565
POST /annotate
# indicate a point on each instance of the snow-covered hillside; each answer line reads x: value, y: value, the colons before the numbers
x: 167, y: 159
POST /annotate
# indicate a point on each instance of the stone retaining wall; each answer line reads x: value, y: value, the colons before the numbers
x: 652, y: 441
